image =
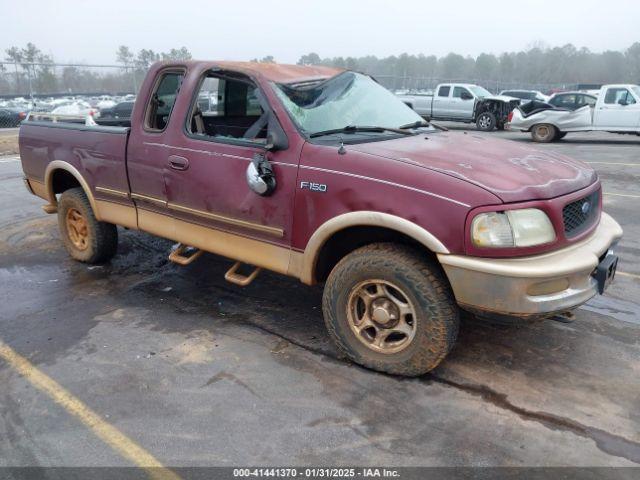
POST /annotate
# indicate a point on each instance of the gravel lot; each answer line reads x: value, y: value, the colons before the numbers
x: 199, y: 372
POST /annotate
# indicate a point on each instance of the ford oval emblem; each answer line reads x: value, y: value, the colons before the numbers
x: 586, y: 206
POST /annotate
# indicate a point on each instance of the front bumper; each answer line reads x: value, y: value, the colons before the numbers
x: 532, y: 286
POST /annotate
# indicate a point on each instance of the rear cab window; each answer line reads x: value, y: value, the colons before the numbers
x: 443, y: 91
x: 163, y: 98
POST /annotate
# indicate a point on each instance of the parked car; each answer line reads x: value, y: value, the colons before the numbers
x: 616, y: 110
x: 572, y: 100
x: 525, y: 95
x: 119, y: 115
x: 75, y: 107
x: 463, y: 102
x: 11, y: 117
x: 403, y: 223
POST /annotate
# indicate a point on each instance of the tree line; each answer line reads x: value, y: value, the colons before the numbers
x: 537, y: 65
x: 28, y: 69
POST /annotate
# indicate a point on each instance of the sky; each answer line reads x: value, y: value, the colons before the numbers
x: 90, y: 31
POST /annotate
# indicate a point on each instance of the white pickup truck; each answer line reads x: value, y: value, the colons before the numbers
x: 463, y: 102
x: 616, y: 110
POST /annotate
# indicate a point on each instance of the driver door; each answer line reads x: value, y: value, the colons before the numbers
x: 205, y: 178
x: 619, y: 110
x: 462, y: 103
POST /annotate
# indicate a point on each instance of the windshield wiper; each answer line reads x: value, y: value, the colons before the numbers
x: 356, y: 128
x: 416, y: 124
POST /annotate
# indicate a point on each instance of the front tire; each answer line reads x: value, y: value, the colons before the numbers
x: 85, y: 238
x: 486, y: 121
x: 544, y: 133
x: 388, y: 308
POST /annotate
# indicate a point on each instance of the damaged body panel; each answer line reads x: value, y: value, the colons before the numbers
x: 461, y: 102
x: 616, y: 110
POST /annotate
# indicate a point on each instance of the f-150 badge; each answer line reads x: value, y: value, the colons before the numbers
x: 314, y: 187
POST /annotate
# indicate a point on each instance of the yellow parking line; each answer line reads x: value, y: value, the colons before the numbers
x: 106, y: 432
x: 625, y: 274
x: 621, y: 195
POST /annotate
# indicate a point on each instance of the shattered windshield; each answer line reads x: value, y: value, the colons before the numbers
x: 348, y: 99
x: 479, y: 91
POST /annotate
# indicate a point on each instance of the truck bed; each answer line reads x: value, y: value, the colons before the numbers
x: 99, y: 152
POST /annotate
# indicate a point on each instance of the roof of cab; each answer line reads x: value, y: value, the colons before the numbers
x: 276, y: 72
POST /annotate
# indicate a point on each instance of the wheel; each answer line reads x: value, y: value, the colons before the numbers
x: 543, y: 133
x: 389, y: 308
x: 486, y: 121
x: 85, y: 238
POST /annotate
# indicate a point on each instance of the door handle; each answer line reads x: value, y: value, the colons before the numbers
x: 178, y: 163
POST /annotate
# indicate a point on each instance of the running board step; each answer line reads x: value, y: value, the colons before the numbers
x: 184, y: 255
x: 232, y: 275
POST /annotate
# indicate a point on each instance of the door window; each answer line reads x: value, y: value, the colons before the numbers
x: 228, y: 108
x: 457, y: 92
x: 162, y: 100
x: 615, y: 95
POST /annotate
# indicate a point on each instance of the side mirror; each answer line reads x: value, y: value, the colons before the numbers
x: 622, y: 102
x: 260, y: 176
x: 466, y: 96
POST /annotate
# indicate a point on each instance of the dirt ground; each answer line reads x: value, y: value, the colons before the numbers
x: 9, y: 141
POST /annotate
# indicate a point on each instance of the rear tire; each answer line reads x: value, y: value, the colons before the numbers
x: 486, y: 121
x: 388, y: 308
x: 85, y: 238
x: 543, y: 133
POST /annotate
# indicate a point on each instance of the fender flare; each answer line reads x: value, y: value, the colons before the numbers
x: 358, y: 219
x: 62, y: 165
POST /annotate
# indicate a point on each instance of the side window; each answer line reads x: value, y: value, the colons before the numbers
x: 565, y: 101
x: 615, y: 95
x: 583, y: 100
x: 457, y: 92
x: 444, y: 91
x: 228, y: 108
x: 162, y: 100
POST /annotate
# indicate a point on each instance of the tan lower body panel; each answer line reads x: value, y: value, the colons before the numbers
x: 254, y: 252
x: 38, y: 188
x: 117, y: 214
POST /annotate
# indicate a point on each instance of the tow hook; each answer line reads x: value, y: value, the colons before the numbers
x: 564, y: 317
x: 184, y: 255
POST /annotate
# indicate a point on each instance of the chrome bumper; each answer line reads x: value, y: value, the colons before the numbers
x: 531, y: 286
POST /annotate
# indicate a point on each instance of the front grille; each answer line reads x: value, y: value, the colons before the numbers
x: 578, y: 216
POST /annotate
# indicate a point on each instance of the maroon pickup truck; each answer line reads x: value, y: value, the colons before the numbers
x: 325, y: 176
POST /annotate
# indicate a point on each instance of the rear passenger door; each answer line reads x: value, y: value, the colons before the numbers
x: 441, y: 102
x: 147, y: 149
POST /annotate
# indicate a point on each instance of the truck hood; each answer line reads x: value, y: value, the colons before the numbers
x: 501, y: 98
x: 511, y: 171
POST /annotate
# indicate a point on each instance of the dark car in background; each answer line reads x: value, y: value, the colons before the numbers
x: 11, y: 117
x: 119, y: 115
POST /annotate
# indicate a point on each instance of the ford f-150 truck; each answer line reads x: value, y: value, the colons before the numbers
x: 616, y: 110
x: 463, y: 102
x: 327, y: 177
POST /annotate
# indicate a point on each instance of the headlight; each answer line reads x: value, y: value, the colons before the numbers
x: 514, y: 228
